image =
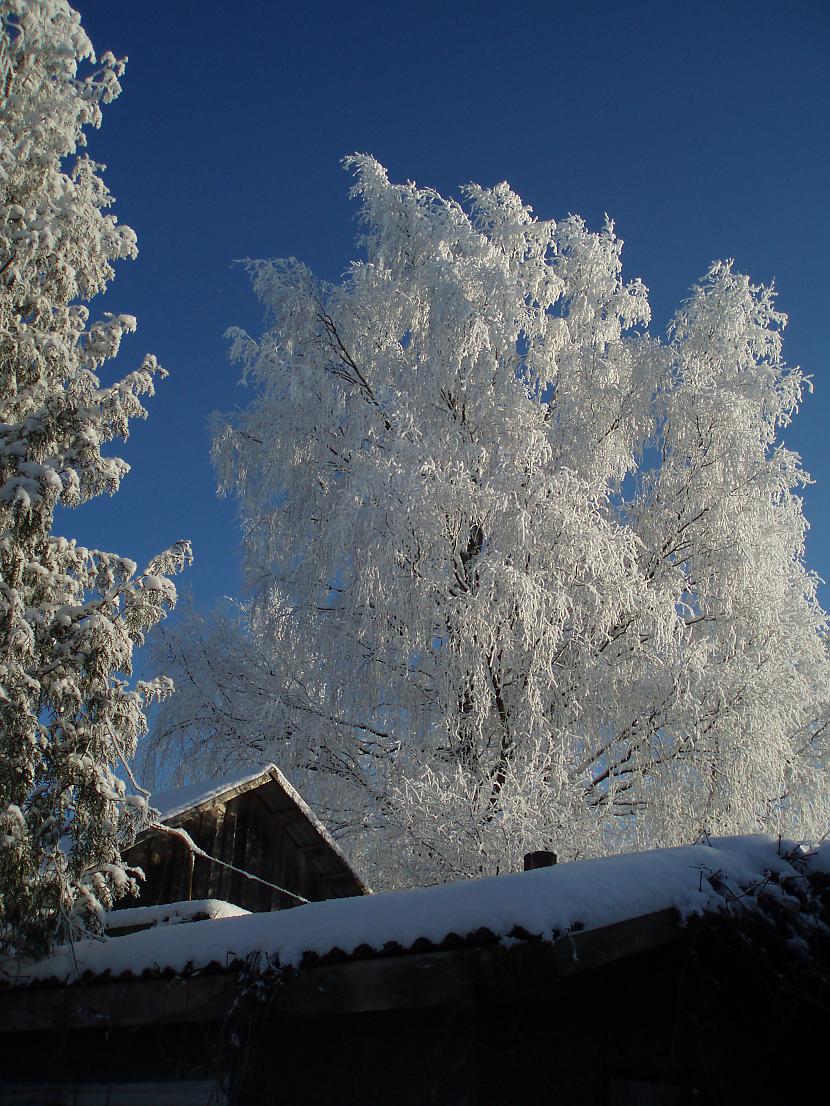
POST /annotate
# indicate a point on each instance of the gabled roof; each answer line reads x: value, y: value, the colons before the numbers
x: 299, y: 820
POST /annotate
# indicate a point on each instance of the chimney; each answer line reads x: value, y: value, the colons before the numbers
x: 542, y: 858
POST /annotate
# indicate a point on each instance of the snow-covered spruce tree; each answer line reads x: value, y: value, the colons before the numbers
x: 69, y: 616
x: 521, y: 576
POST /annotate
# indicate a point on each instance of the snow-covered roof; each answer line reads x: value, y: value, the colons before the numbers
x: 546, y: 903
x: 171, y: 803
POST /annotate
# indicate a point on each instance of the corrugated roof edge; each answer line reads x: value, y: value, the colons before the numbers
x: 425, y: 975
x: 731, y: 874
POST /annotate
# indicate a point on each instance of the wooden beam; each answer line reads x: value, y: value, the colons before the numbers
x: 526, y: 970
x: 215, y: 870
x: 120, y: 1002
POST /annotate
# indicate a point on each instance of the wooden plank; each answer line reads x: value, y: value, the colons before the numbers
x: 239, y: 891
x: 255, y: 861
x: 228, y: 844
x: 215, y: 877
x: 304, y: 873
x: 204, y: 838
x: 181, y: 887
x: 583, y: 951
x: 163, y: 892
x: 120, y: 1002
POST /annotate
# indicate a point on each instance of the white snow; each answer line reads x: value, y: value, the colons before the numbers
x: 171, y: 803
x: 548, y: 901
x: 171, y: 913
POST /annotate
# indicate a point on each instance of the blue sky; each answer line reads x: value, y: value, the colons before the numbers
x: 701, y: 128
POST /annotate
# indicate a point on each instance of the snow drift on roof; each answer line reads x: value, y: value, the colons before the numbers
x: 547, y: 902
x: 169, y: 913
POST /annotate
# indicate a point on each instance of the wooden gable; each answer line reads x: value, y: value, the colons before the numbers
x: 259, y: 824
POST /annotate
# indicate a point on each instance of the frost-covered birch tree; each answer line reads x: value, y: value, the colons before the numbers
x: 69, y: 616
x: 520, y: 575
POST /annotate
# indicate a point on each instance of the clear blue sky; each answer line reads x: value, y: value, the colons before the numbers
x: 701, y: 128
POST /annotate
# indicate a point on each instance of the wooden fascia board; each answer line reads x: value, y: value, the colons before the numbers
x: 325, y: 839
x: 494, y: 973
x: 121, y: 1002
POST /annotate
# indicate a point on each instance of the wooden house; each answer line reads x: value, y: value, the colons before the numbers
x: 255, y: 823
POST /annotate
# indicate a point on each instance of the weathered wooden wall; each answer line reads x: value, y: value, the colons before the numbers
x: 242, y: 832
